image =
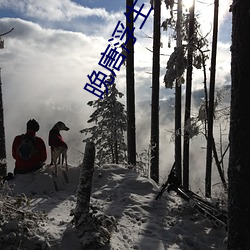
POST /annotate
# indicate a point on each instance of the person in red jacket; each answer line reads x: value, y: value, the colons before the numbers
x: 29, y: 150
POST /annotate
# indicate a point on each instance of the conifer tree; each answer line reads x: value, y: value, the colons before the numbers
x: 189, y: 53
x: 110, y: 121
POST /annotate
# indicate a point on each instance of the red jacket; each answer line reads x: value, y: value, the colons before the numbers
x: 37, y: 159
x: 55, y: 139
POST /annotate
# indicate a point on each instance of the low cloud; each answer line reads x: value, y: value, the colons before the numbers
x: 45, y: 67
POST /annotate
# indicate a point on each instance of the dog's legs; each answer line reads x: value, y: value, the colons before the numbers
x: 64, y: 172
x: 66, y: 161
x: 57, y: 152
x: 51, y: 156
x: 56, y: 170
x: 63, y: 157
x: 55, y: 158
x: 59, y: 159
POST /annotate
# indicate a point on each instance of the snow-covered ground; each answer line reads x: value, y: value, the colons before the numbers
x: 141, y: 221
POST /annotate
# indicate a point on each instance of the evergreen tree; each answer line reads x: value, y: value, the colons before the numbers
x: 188, y: 53
x: 110, y: 120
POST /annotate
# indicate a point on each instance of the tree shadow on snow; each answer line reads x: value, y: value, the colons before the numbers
x: 178, y: 227
x: 167, y: 223
x: 131, y: 200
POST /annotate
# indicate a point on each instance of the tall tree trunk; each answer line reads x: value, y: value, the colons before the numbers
x: 188, y: 97
x: 3, y: 161
x: 211, y: 102
x: 239, y: 159
x: 154, y: 168
x: 130, y: 82
x: 178, y: 100
x: 116, y: 152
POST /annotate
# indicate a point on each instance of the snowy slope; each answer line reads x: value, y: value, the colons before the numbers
x: 141, y: 221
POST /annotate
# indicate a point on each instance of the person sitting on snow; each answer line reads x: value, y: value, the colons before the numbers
x: 29, y: 150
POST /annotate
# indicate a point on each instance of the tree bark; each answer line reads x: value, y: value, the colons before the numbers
x: 130, y: 86
x: 211, y: 102
x: 93, y: 229
x: 239, y: 159
x: 178, y: 158
x: 116, y: 152
x: 188, y: 97
x: 83, y: 193
x: 3, y: 161
x: 154, y: 168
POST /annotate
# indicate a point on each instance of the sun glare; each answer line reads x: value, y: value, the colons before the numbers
x: 187, y: 3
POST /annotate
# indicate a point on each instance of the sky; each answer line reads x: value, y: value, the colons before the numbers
x: 55, y: 44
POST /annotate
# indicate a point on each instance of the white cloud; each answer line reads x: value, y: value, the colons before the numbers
x: 53, y: 10
x: 44, y: 70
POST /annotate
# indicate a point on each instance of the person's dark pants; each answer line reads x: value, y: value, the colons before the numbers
x: 25, y: 171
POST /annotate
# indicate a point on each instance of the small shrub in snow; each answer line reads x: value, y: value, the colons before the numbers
x: 20, y: 228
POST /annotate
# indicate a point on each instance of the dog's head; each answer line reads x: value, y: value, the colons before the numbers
x: 61, y: 126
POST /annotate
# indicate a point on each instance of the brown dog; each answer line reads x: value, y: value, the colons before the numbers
x: 57, y: 145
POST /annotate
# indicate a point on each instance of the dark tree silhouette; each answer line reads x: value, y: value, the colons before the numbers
x: 178, y: 155
x: 210, y: 139
x: 110, y: 124
x: 130, y: 85
x: 239, y: 160
x: 154, y: 168
x: 3, y: 162
x: 188, y: 96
